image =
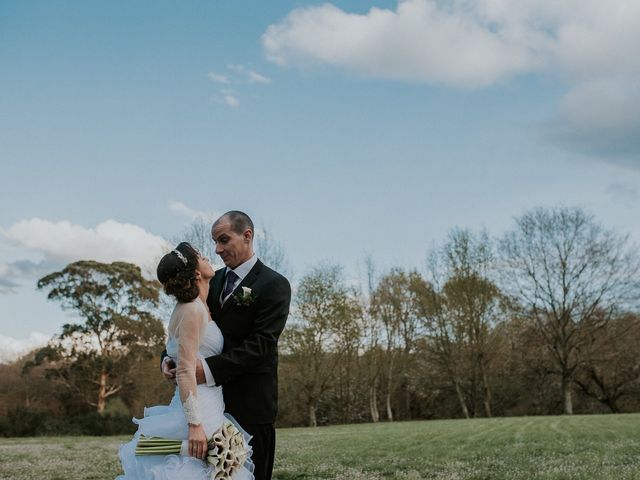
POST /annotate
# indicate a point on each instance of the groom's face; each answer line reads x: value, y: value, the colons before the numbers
x: 234, y: 248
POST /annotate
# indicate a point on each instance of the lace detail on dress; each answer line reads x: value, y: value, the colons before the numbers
x: 187, y: 327
x: 191, y: 410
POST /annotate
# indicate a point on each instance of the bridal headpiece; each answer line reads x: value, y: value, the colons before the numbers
x: 180, y: 256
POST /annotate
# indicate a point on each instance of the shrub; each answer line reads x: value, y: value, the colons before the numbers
x: 107, y: 424
x: 22, y: 422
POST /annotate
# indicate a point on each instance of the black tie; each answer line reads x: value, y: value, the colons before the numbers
x: 231, y: 280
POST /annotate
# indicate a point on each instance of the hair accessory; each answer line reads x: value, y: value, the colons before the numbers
x: 180, y: 256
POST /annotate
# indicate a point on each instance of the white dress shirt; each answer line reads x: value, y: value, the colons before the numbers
x: 241, y: 271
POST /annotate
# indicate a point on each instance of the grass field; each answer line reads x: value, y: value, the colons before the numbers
x: 578, y: 447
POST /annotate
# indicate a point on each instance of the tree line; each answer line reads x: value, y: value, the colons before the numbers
x: 542, y: 320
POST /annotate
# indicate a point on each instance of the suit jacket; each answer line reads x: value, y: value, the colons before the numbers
x: 247, y: 368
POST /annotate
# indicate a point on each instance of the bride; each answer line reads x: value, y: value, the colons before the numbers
x: 196, y: 412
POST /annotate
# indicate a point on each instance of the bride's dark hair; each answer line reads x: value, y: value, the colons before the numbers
x: 177, y: 272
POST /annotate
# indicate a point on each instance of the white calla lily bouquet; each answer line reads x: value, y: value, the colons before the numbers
x: 227, y: 450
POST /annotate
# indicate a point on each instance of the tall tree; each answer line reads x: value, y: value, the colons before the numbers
x: 327, y: 315
x: 271, y: 251
x: 395, y: 302
x: 117, y: 305
x: 570, y: 277
x: 446, y: 338
x: 473, y: 301
x: 346, y: 346
x: 371, y: 338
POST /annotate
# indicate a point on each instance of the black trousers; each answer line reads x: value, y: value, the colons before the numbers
x: 264, y: 448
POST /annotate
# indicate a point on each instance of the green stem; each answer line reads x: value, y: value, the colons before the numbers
x: 158, y: 446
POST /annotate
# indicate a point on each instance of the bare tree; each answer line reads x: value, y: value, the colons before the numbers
x: 268, y: 249
x: 198, y: 234
x: 271, y: 252
x: 570, y: 277
x: 610, y: 370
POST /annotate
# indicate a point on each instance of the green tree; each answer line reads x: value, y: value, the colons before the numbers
x: 327, y: 324
x: 445, y: 337
x: 373, y: 354
x: 396, y: 303
x: 473, y: 302
x: 95, y: 359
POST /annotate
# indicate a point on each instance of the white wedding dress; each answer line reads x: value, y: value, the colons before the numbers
x: 170, y: 421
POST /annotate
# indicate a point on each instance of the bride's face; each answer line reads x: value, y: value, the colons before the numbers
x: 204, y: 268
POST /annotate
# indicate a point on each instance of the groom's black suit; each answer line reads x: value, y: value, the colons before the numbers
x: 247, y: 368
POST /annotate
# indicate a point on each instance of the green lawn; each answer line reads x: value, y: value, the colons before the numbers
x: 578, y: 447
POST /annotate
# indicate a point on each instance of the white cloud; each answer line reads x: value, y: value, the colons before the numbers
x: 229, y: 96
x: 255, y: 77
x: 11, y: 348
x: 601, y: 117
x: 587, y: 44
x: 193, y: 214
x: 418, y: 42
x: 231, y: 100
x: 190, y: 213
x: 464, y: 42
x: 218, y: 77
x: 109, y: 241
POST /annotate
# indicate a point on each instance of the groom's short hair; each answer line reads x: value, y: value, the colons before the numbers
x: 239, y: 221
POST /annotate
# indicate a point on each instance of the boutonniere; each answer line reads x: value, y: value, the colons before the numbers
x: 244, y: 297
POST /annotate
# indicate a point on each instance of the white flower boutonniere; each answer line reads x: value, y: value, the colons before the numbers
x: 244, y: 297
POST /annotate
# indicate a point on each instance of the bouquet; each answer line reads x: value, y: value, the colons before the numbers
x: 227, y: 451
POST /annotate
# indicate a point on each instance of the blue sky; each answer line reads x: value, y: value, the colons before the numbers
x: 344, y: 128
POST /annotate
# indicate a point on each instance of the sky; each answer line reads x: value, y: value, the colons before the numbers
x: 345, y: 129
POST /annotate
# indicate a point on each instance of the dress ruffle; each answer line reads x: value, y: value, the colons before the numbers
x: 168, y: 421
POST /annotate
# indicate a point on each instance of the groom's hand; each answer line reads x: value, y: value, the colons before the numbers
x: 169, y: 369
x: 200, y: 376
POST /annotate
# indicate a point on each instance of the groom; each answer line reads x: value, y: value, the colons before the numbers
x: 250, y: 303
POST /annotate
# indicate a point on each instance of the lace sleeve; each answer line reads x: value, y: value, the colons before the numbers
x: 188, y: 334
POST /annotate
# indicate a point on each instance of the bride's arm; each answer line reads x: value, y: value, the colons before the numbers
x: 188, y: 334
